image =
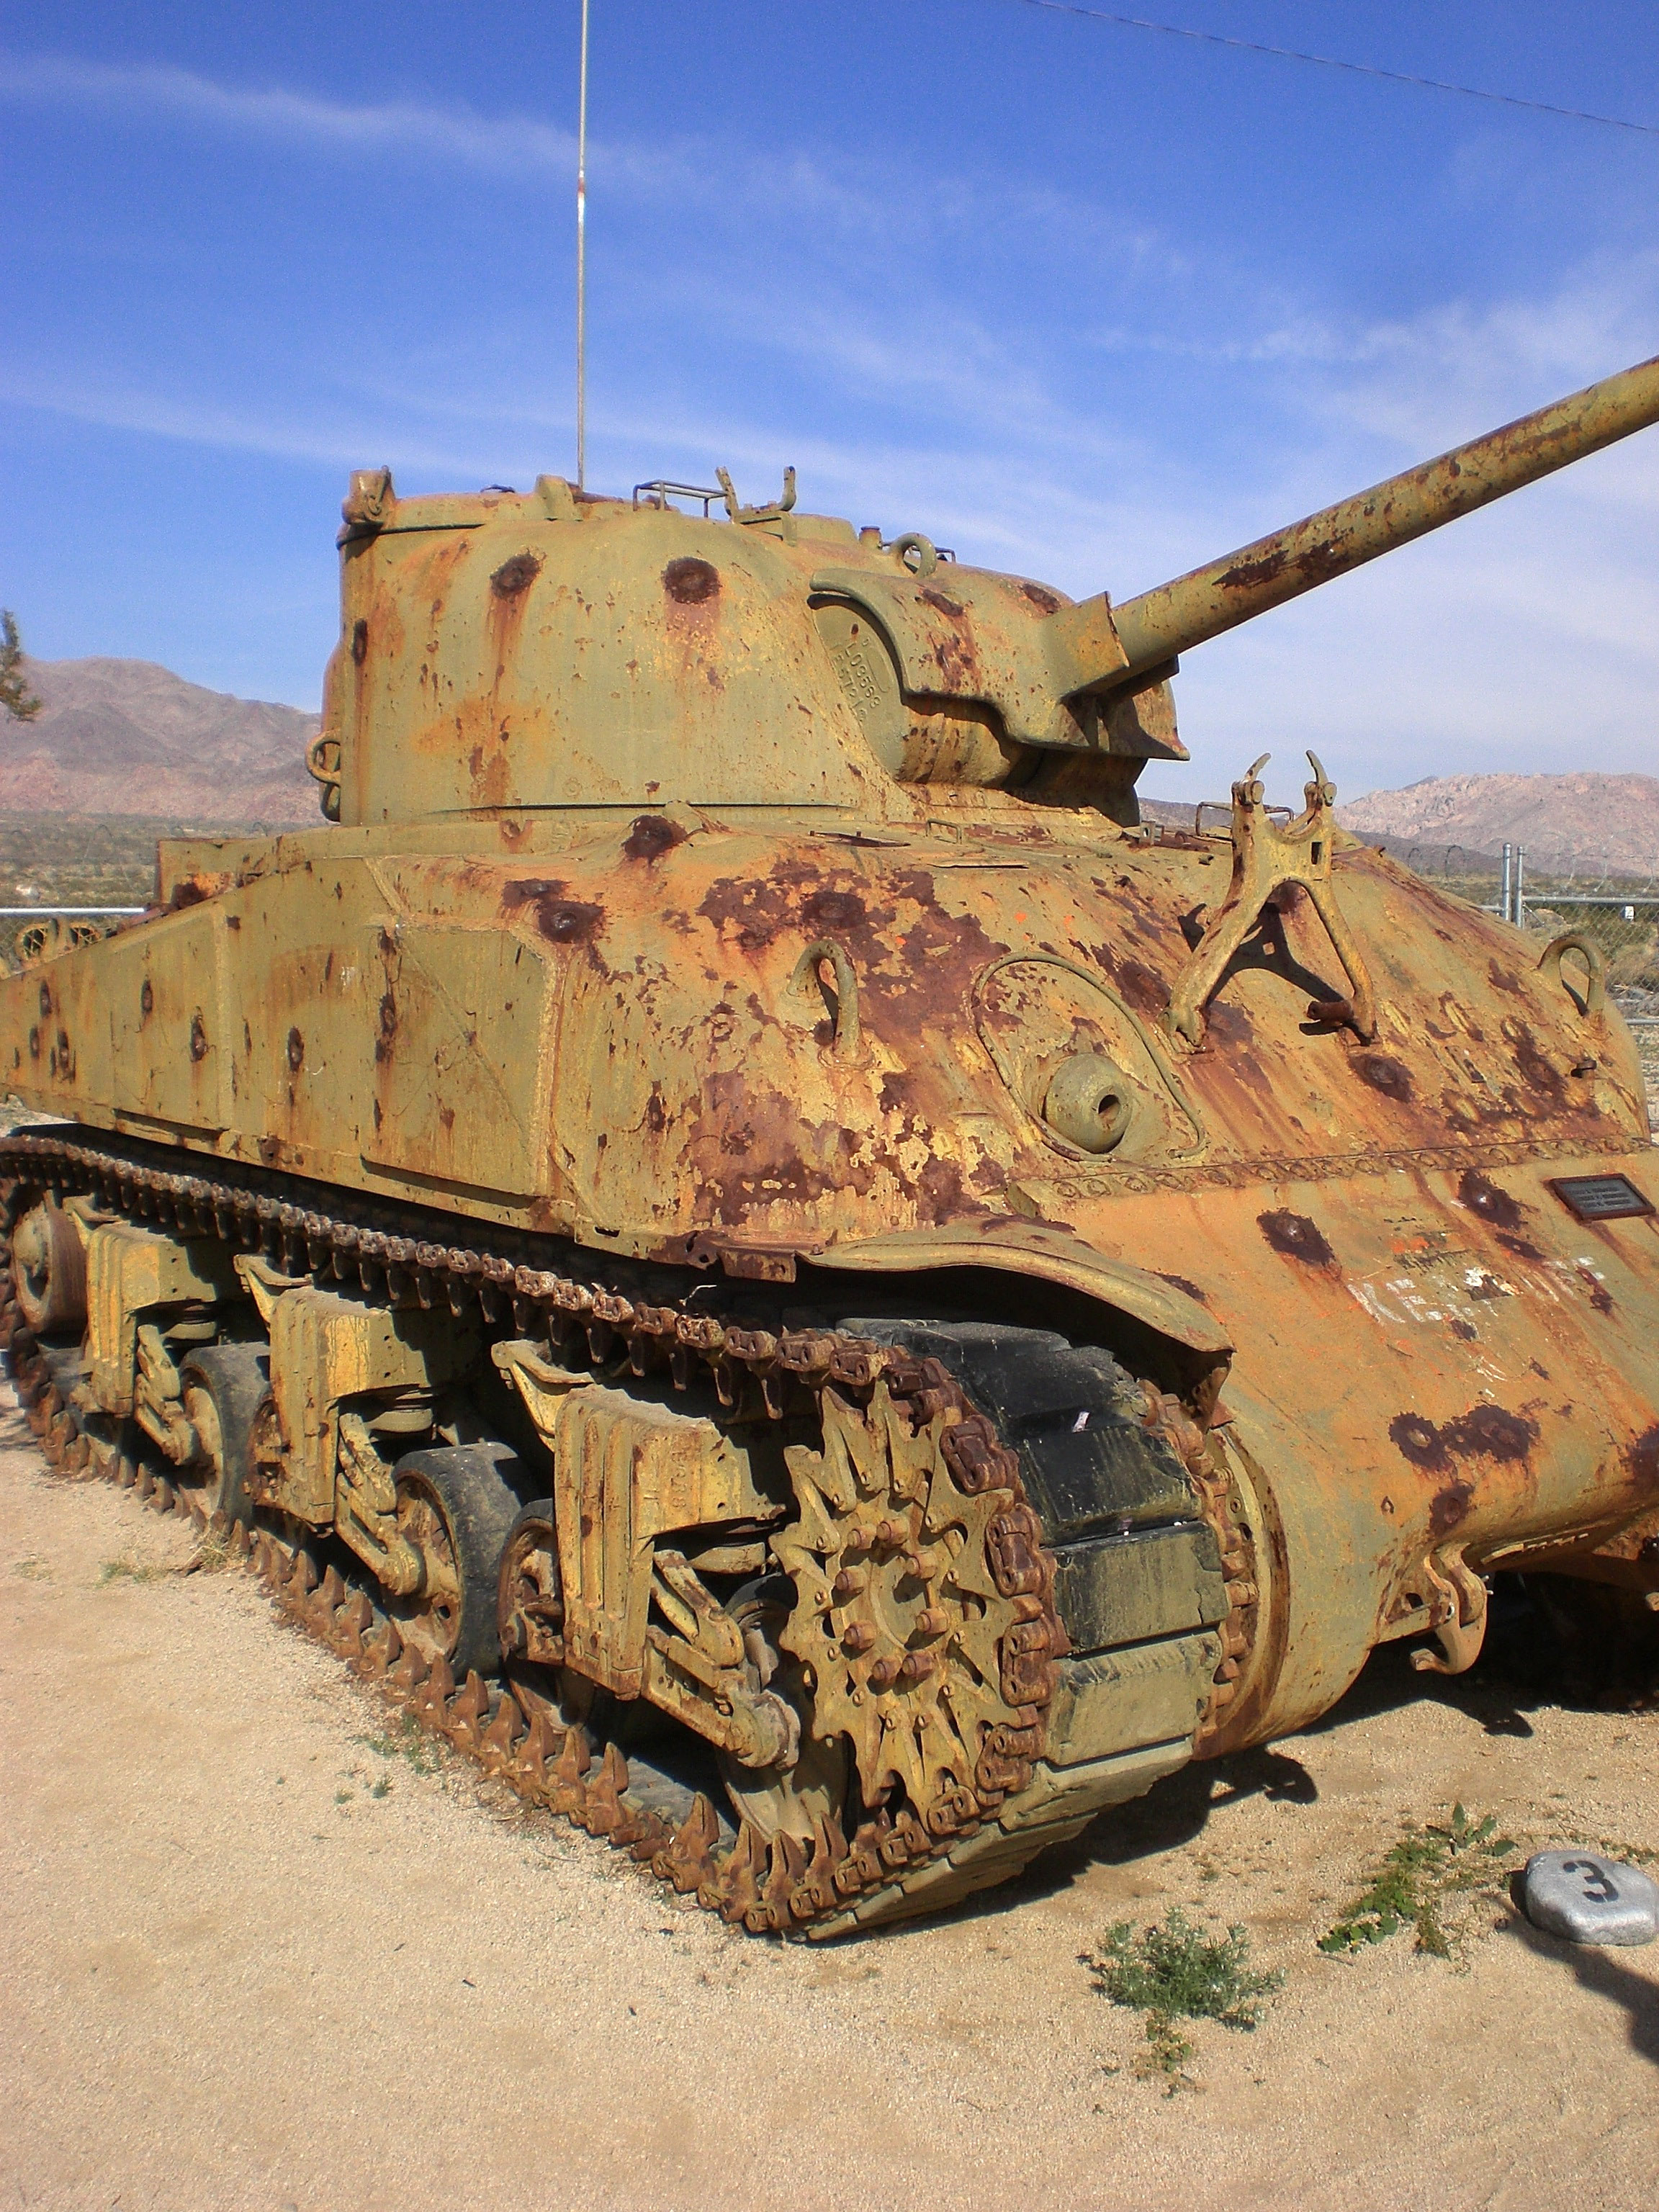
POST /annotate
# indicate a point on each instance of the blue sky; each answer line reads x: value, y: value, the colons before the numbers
x: 1081, y: 302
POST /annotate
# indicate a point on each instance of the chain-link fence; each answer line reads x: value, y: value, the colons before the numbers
x: 1617, y: 912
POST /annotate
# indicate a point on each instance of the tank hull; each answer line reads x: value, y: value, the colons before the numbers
x: 629, y: 1033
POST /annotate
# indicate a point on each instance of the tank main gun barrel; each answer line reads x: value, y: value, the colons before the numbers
x: 1169, y: 620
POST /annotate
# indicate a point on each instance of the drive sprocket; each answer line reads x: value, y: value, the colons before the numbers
x: 923, y: 1610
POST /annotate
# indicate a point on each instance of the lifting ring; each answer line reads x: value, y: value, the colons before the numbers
x: 1595, y: 968
x: 842, y: 998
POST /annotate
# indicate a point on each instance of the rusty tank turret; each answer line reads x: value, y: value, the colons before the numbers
x: 737, y: 1230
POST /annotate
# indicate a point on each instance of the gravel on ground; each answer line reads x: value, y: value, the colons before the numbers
x: 257, y: 1955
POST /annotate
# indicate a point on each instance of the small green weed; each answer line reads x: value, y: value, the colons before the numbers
x: 1176, y: 1971
x: 128, y: 1571
x: 32, y: 1571
x: 409, y: 1741
x: 1423, y: 1872
x: 1638, y: 1854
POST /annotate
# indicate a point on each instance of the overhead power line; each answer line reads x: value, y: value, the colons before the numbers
x: 1328, y: 61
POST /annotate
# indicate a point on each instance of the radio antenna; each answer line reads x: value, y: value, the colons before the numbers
x: 581, y: 267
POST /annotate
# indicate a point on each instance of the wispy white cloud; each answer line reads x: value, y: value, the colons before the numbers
x: 847, y: 318
x: 161, y: 92
x: 313, y: 435
x: 852, y: 300
x: 859, y: 206
x: 1519, y: 640
x: 852, y: 194
x: 1423, y: 381
x: 1524, y: 639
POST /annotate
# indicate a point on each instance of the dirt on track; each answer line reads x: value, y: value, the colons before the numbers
x: 256, y: 1955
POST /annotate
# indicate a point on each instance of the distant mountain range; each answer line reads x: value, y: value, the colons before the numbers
x: 1587, y: 824
x: 125, y: 737
x: 1569, y: 824
x: 128, y: 737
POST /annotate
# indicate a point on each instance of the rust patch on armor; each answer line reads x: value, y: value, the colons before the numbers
x: 1484, y: 1432
x: 834, y: 910
x: 1141, y: 987
x: 1489, y: 1199
x: 1297, y: 1238
x: 1391, y: 1077
x: 1229, y: 1025
x: 515, y: 575
x: 651, y: 837
x: 1600, y: 1297
x: 912, y: 969
x: 901, y: 1094
x: 560, y: 920
x: 957, y: 663
x: 1535, y: 1070
x: 753, y: 911
x: 1449, y: 1508
x: 1522, y: 1248
x: 691, y: 583
x: 1418, y: 1441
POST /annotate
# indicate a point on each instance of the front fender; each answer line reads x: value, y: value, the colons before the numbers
x: 1015, y: 1246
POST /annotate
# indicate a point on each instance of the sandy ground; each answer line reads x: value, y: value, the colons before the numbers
x: 251, y: 1959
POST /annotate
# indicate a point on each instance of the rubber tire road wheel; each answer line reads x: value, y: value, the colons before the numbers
x: 473, y: 1487
x: 234, y: 1381
x: 49, y: 1270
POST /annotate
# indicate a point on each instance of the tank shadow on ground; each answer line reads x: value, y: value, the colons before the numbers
x: 1600, y: 1970
x: 1550, y: 1642
x: 1166, y: 1818
x: 1488, y: 1694
x: 1542, y: 1650
x: 1171, y: 1814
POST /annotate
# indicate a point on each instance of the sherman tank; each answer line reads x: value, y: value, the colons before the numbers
x: 734, y: 1228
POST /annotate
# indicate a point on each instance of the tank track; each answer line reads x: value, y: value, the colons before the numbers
x: 888, y: 1868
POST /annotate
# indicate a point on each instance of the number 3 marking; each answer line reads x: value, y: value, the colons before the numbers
x: 1599, y: 1885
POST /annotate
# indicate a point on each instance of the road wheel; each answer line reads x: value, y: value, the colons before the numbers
x: 456, y: 1505
x: 224, y: 1385
x: 49, y: 1270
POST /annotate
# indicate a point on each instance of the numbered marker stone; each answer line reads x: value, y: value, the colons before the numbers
x: 1590, y: 1899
